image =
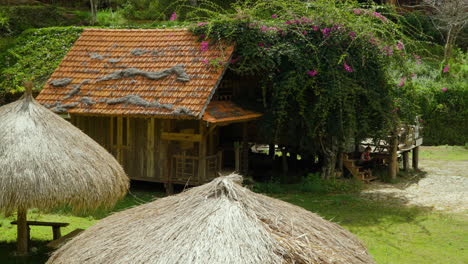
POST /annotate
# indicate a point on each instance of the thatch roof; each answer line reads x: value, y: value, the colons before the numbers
x: 46, y: 162
x: 219, y: 222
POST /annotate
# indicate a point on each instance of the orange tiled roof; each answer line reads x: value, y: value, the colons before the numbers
x: 219, y: 112
x: 158, y: 72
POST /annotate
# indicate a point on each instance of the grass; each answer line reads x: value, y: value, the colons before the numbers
x: 445, y: 153
x: 393, y: 232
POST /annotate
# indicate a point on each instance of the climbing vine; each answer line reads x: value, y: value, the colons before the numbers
x: 325, y: 67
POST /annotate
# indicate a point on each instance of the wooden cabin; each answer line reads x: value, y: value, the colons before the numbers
x: 156, y: 100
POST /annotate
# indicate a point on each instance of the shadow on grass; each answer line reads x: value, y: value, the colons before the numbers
x: 359, y: 211
x: 40, y: 254
x: 139, y: 193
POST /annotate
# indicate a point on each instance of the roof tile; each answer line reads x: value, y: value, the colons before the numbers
x: 144, y: 49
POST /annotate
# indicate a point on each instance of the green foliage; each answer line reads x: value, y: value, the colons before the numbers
x: 110, y: 18
x: 324, y: 64
x: 35, y: 56
x: 442, y: 98
x: 15, y: 19
x: 162, y: 9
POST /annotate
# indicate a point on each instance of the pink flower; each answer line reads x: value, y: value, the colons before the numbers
x: 202, y: 36
x: 261, y: 45
x: 413, y: 75
x: 263, y: 28
x: 388, y: 50
x: 357, y: 11
x: 402, y: 81
x: 204, y: 46
x: 421, y: 120
x: 205, y: 61
x: 444, y: 89
x: 274, y: 16
x: 352, y: 34
x: 173, y: 17
x: 315, y: 28
x: 347, y: 67
x: 446, y: 68
x: 201, y: 24
x: 400, y: 45
x: 235, y: 60
x: 304, y: 32
x: 312, y: 73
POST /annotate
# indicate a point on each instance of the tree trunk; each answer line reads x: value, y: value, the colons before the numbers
x: 451, y: 38
x: 329, y: 151
x: 93, y: 4
x: 22, y: 229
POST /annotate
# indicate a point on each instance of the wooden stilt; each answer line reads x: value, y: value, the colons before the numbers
x: 416, y: 158
x: 393, y: 164
x: 284, y: 155
x: 23, y: 234
x: 405, y: 161
x: 202, y: 154
x: 169, y: 188
x: 245, y: 150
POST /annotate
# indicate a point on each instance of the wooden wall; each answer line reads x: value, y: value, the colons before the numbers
x: 135, y: 142
x: 146, y: 146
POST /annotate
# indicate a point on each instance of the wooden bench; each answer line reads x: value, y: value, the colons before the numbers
x: 55, y: 227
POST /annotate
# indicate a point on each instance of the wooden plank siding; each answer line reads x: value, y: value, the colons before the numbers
x: 133, y: 141
x: 157, y: 150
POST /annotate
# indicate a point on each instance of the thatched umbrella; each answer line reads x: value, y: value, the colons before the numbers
x: 46, y: 162
x: 219, y: 222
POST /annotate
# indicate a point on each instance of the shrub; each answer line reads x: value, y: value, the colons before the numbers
x: 442, y: 100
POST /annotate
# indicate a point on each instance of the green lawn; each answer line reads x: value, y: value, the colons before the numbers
x: 393, y: 232
x: 445, y: 153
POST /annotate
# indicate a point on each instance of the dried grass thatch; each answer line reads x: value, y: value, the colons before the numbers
x: 46, y: 162
x: 219, y: 222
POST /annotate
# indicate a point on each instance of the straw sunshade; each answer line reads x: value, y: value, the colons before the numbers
x: 46, y: 162
x: 220, y: 222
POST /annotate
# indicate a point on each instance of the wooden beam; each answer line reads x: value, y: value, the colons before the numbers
x: 181, y: 137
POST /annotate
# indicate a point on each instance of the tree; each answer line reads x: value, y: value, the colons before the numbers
x: 451, y: 16
x: 94, y: 5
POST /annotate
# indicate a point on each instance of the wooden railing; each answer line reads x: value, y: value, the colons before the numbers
x: 184, y: 169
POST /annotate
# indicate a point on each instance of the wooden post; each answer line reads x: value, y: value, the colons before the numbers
x: 163, y: 159
x: 405, y: 161
x: 284, y: 156
x: 150, y: 148
x: 416, y: 158
x: 202, y: 154
x: 245, y: 149
x: 393, y: 164
x: 22, y: 229
x: 237, y: 156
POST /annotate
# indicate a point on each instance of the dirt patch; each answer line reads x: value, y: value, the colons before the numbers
x: 444, y: 187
